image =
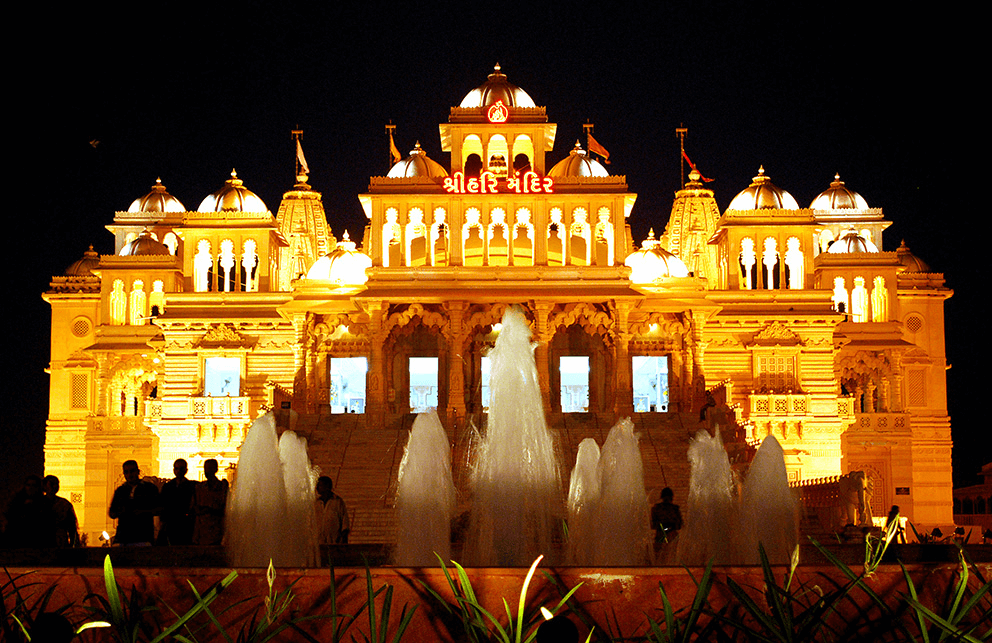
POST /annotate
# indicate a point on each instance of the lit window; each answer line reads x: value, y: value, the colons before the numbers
x: 423, y: 384
x: 222, y: 376
x: 486, y: 365
x: 574, y: 371
x: 347, y: 393
x: 650, y: 383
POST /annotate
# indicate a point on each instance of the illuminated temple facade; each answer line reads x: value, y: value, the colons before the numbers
x: 768, y: 318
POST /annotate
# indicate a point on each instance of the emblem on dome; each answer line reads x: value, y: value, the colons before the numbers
x: 497, y: 112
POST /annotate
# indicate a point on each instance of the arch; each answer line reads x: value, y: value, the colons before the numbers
x: 579, y: 238
x: 556, y: 238
x: 523, y: 239
x: 472, y: 155
x: 879, y: 300
x: 225, y: 263
x: 202, y: 266
x: 391, y: 239
x: 156, y: 300
x: 604, y: 238
x: 770, y: 260
x: 249, y: 266
x: 416, y: 238
x: 440, y: 239
x: 473, y: 238
x: 824, y: 239
x: 859, y: 301
x: 841, y: 304
x: 523, y: 153
x: 136, y: 310
x: 748, y: 261
x: 498, y: 155
x: 118, y: 303
x: 498, y: 237
x: 794, y: 264
x: 171, y: 241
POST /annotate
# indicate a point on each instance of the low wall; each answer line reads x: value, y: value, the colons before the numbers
x: 616, y: 600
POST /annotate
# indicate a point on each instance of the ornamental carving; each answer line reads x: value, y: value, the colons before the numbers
x: 427, y: 317
x: 223, y: 335
x: 776, y: 334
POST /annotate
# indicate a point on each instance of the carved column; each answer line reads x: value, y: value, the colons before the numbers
x: 543, y: 336
x: 456, y: 374
x: 301, y: 345
x: 623, y: 386
x: 375, y: 407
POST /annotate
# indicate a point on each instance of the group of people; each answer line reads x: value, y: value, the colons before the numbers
x: 37, y: 516
x: 190, y: 513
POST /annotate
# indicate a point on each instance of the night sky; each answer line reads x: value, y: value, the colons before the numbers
x: 186, y: 92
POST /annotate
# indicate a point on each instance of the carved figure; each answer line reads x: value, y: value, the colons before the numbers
x: 855, y: 499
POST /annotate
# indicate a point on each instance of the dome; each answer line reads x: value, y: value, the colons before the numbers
x: 344, y: 265
x: 233, y: 197
x: 839, y: 197
x: 158, y: 200
x: 497, y: 88
x: 84, y: 267
x: 144, y: 244
x: 578, y: 163
x: 652, y: 262
x: 761, y: 194
x: 851, y: 241
x: 417, y: 164
x: 911, y: 261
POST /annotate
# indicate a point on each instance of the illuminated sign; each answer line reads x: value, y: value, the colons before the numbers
x: 486, y: 183
x: 497, y: 113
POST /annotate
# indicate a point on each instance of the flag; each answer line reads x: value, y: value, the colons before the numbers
x: 596, y: 148
x: 300, y: 158
x: 394, y: 152
x: 693, y: 166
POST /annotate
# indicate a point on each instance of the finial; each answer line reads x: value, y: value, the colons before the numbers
x: 234, y: 173
x: 345, y: 237
x: 761, y: 170
x: 496, y: 67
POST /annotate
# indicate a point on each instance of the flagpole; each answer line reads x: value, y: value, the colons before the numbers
x: 390, y: 129
x: 681, y: 131
x: 301, y: 165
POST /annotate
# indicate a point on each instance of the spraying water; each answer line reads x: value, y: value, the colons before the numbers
x: 709, y: 507
x: 623, y: 534
x: 583, y: 503
x: 515, y: 482
x: 768, y: 508
x: 270, y: 508
x: 425, y: 495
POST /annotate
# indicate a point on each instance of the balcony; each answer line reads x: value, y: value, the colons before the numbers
x: 778, y: 405
x: 219, y: 408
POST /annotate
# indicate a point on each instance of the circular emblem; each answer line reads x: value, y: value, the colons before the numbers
x: 497, y: 113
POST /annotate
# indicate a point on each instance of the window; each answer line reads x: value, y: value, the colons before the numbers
x: 423, y: 384
x: 486, y: 366
x: 776, y: 373
x: 222, y: 376
x: 574, y: 372
x: 650, y: 383
x: 347, y: 393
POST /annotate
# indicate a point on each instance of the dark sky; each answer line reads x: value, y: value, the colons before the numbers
x: 185, y: 92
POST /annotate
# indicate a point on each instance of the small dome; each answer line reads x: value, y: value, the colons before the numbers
x: 144, y: 244
x: 497, y: 88
x: 158, y: 200
x: 839, y: 197
x: 851, y: 241
x: 578, y: 163
x: 761, y: 194
x: 417, y: 164
x: 233, y: 197
x: 911, y: 261
x: 84, y: 266
x: 344, y: 265
x: 652, y: 262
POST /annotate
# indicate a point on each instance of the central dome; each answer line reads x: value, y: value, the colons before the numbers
x: 417, y: 164
x: 763, y: 194
x: 838, y: 197
x: 497, y: 88
x: 158, y: 200
x: 233, y: 197
x: 578, y: 163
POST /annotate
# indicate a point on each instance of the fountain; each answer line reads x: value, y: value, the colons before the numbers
x: 583, y: 503
x: 516, y: 489
x: 720, y: 527
x: 425, y: 495
x: 270, y: 507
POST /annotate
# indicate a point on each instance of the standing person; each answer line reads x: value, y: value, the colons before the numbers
x: 333, y: 526
x: 208, y: 506
x: 66, y: 525
x: 177, y: 495
x: 134, y: 506
x: 666, y: 517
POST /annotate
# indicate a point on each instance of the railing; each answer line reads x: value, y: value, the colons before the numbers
x: 882, y: 422
x: 219, y: 407
x: 778, y: 404
x: 118, y: 424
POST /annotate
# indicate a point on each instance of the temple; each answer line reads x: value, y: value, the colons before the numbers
x: 768, y: 318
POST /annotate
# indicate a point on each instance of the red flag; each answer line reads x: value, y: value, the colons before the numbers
x: 693, y: 166
x: 394, y: 152
x: 596, y: 148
